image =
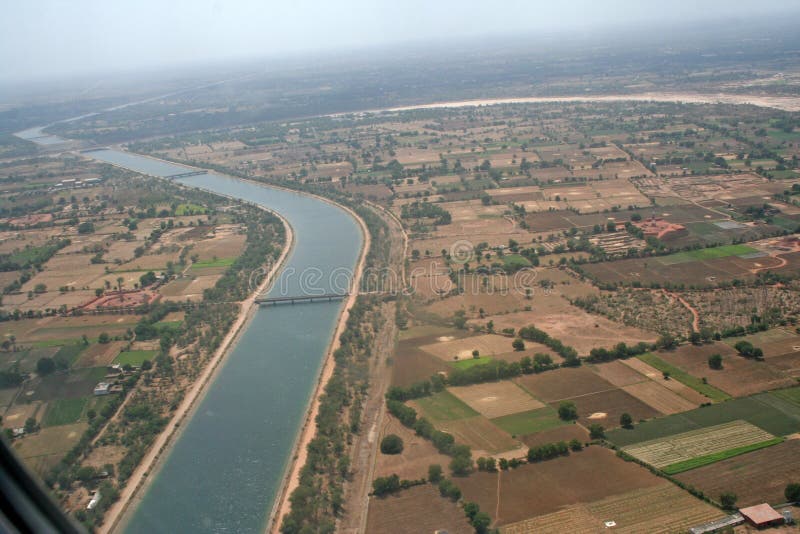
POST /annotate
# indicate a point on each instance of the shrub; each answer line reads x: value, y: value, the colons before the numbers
x: 392, y: 444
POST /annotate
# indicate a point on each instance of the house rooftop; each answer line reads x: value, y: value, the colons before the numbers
x: 761, y: 514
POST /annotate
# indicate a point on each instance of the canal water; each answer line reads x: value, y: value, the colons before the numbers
x: 224, y: 471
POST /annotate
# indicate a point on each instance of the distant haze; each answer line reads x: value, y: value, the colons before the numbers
x: 45, y: 38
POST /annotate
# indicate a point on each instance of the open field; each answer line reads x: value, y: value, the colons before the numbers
x: 739, y: 376
x: 483, y: 436
x: 49, y: 445
x: 530, y: 422
x: 99, y: 354
x: 606, y: 407
x: 659, y: 398
x: 766, y: 411
x: 418, y: 509
x: 697, y: 443
x: 676, y: 373
x: 542, y: 488
x: 411, y: 364
x: 563, y: 432
x: 564, y: 383
x: 443, y: 406
x: 755, y: 477
x: 684, y: 391
x: 496, y: 399
x: 418, y: 453
x: 461, y: 349
x: 135, y: 357
x: 64, y: 411
x: 659, y: 509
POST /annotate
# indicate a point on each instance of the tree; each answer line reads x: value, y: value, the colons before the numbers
x: 596, y: 431
x: 392, y: 444
x: 120, y: 280
x: 667, y: 341
x: 715, y: 361
x: 575, y: 445
x: 30, y: 425
x: 461, y: 465
x: 626, y: 421
x: 695, y: 338
x: 434, y: 473
x: 146, y: 365
x: 567, y: 411
x: 728, y: 500
x: 518, y: 344
x: 104, y: 338
x: 86, y: 227
x: 792, y: 492
x: 385, y: 485
x: 481, y: 522
x: 476, y: 354
x: 45, y: 366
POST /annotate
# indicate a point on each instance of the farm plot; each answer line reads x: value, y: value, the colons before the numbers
x: 496, y: 399
x: 410, y: 365
x: 418, y: 509
x: 673, y: 385
x: 135, y: 357
x: 45, y: 448
x: 418, y: 453
x: 766, y: 411
x: 461, y: 349
x: 682, y: 376
x: 530, y: 422
x: 665, y: 452
x: 755, y: 477
x: 99, y: 354
x: 659, y: 398
x: 546, y: 487
x: 480, y: 434
x: 564, y: 383
x: 563, y: 432
x: 619, y: 374
x: 443, y: 406
x: 739, y: 376
x: 606, y: 407
x: 64, y: 411
x: 660, y: 509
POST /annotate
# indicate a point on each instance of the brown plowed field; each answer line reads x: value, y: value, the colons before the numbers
x: 546, y: 487
x: 755, y: 477
x: 418, y: 509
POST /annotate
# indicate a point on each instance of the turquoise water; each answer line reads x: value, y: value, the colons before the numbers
x: 224, y: 471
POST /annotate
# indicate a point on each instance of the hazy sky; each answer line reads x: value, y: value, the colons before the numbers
x: 41, y: 38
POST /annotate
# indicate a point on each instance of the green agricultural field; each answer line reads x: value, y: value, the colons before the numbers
x: 765, y: 410
x: 189, y: 209
x: 683, y: 377
x: 472, y: 362
x: 135, y: 357
x: 523, y: 423
x: 444, y: 406
x: 514, y: 262
x: 700, y: 461
x: 209, y: 264
x: 706, y: 254
x: 70, y: 353
x: 790, y: 395
x: 64, y: 411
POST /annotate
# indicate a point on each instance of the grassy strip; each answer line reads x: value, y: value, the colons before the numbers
x: 685, y: 378
x: 207, y: 264
x: 706, y: 254
x: 64, y: 411
x: 472, y: 362
x: 444, y: 406
x: 700, y: 461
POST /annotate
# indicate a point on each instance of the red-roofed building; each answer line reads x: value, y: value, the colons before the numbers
x: 761, y: 515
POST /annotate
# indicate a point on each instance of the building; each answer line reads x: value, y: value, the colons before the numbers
x: 102, y: 388
x: 761, y: 516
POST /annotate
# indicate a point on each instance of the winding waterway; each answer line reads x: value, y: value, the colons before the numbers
x: 226, y: 467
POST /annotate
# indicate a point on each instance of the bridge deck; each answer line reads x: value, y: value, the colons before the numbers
x: 301, y: 298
